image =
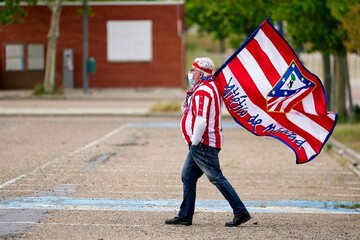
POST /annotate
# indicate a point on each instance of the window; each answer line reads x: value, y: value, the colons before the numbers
x: 35, y: 57
x: 14, y: 57
x: 129, y: 41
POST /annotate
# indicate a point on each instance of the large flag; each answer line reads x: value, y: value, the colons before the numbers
x: 268, y: 91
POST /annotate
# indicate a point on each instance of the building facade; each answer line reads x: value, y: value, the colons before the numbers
x: 133, y: 44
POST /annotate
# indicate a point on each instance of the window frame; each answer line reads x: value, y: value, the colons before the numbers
x: 41, y: 57
x: 11, y: 54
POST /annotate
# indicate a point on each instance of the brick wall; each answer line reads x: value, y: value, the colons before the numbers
x: 165, y: 69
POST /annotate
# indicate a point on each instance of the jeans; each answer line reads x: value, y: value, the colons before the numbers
x: 203, y: 159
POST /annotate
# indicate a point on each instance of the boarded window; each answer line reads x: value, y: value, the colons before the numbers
x: 35, y: 56
x: 129, y: 41
x: 14, y: 57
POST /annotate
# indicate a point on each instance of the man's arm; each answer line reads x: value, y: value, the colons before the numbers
x: 199, y: 129
x: 200, y: 124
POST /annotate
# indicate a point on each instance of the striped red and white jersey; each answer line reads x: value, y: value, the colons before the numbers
x: 205, y: 102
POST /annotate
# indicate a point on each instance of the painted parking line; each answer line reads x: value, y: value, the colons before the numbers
x: 59, y: 159
x: 76, y: 224
x: 226, y: 124
x: 14, y: 222
x: 96, y: 204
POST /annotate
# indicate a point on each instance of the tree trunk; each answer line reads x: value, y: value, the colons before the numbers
x: 222, y: 45
x: 340, y: 86
x: 50, y: 68
x: 348, y: 90
x: 327, y: 79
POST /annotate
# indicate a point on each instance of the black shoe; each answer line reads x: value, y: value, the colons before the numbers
x: 178, y: 221
x: 238, y: 219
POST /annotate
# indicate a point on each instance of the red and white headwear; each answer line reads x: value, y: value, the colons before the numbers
x: 204, y: 64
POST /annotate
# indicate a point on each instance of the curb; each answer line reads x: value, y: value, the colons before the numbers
x: 137, y: 112
x: 121, y: 94
x: 348, y: 153
x: 74, y: 112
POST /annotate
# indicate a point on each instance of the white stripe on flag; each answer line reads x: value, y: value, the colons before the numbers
x: 253, y: 109
x: 308, y: 125
x: 271, y: 51
x: 332, y: 116
x: 308, y: 104
x: 290, y: 99
x: 274, y: 104
x: 281, y: 66
x: 309, y: 151
x: 259, y: 78
x: 255, y: 72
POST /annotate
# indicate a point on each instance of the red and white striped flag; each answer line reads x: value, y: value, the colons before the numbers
x: 268, y: 91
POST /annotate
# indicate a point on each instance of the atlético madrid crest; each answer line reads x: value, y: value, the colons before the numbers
x: 291, y: 88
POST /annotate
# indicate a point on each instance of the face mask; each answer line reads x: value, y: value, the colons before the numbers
x: 190, y: 79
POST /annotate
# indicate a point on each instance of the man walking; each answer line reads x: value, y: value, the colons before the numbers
x: 201, y: 128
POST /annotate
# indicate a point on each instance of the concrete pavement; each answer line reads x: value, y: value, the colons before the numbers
x: 119, y: 102
x: 120, y: 178
x: 137, y: 166
x: 124, y: 101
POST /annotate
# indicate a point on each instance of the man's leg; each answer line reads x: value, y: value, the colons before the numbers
x: 190, y: 174
x: 207, y: 159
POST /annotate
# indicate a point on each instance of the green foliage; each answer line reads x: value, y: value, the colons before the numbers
x: 348, y: 134
x: 323, y: 25
x: 226, y: 17
x: 329, y: 146
x: 209, y: 15
x: 166, y: 106
x: 354, y: 205
x: 262, y: 205
x: 355, y: 118
x: 231, y: 20
x: 356, y: 113
x: 309, y: 21
x: 348, y: 13
x: 12, y: 12
x: 235, y: 40
x: 39, y: 90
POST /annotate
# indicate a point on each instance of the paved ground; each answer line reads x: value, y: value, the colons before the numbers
x: 117, y: 176
x: 96, y: 102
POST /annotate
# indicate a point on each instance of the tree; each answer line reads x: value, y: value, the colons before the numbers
x: 312, y: 24
x: 13, y: 12
x: 50, y: 69
x: 226, y: 17
x: 210, y: 16
x: 348, y: 13
x: 328, y: 26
